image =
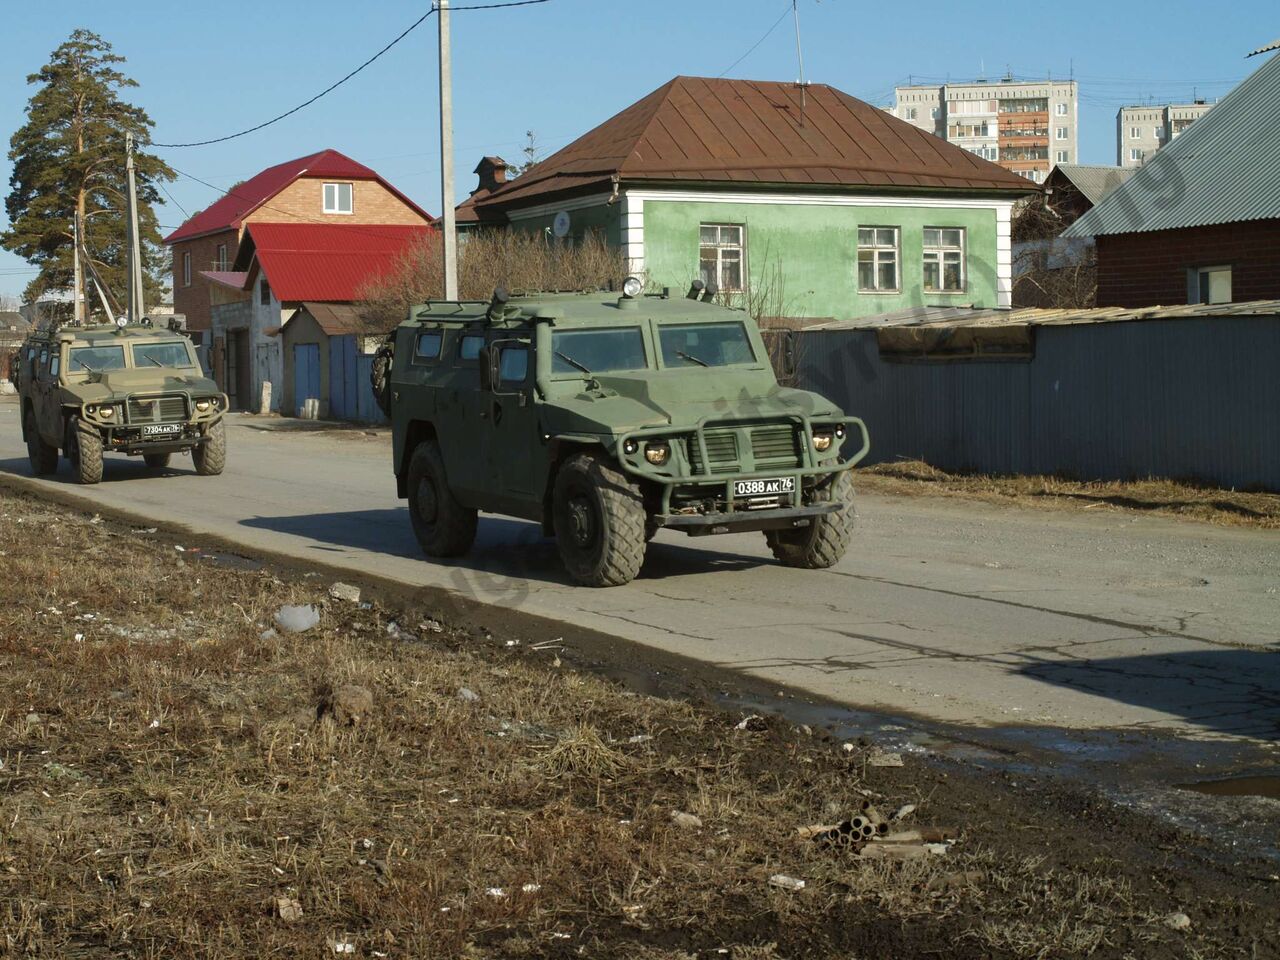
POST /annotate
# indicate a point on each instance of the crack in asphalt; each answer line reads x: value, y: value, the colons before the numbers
x: 1146, y: 630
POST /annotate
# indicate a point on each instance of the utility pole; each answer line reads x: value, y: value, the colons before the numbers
x: 136, y: 305
x: 448, y: 235
x: 77, y: 304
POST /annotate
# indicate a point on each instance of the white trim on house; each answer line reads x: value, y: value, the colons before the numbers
x: 1004, y: 255
x: 819, y: 199
x: 632, y: 234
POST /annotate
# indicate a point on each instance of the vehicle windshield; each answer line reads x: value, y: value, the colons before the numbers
x: 599, y: 351
x: 705, y: 344
x: 96, y: 359
x: 170, y: 354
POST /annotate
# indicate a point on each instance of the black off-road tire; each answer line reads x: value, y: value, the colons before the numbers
x: 210, y: 457
x: 43, y: 456
x: 823, y: 543
x: 444, y: 527
x: 156, y: 461
x: 85, y: 454
x: 599, y: 521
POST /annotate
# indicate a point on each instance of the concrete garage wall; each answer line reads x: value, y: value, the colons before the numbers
x: 1183, y: 399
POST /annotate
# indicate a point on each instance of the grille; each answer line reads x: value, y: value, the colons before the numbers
x: 157, y: 409
x: 722, y: 451
x: 775, y: 445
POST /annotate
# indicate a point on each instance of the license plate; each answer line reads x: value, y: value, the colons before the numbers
x: 764, y: 488
x: 161, y: 429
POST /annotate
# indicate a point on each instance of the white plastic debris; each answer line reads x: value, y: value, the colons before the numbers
x: 297, y: 619
x: 469, y: 695
x: 345, y: 591
x: 782, y: 881
x: 903, y: 811
x: 344, y: 947
x: 686, y: 820
x: 496, y: 892
x: 847, y: 747
x: 1178, y: 921
x: 531, y: 888
x: 753, y: 722
x: 268, y: 634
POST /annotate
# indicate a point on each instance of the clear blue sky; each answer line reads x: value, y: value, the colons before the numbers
x: 561, y: 67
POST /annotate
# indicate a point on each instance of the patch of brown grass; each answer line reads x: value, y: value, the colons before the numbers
x: 170, y: 787
x: 1164, y: 497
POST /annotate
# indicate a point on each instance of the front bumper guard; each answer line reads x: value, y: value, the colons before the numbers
x: 810, y: 467
x: 745, y: 521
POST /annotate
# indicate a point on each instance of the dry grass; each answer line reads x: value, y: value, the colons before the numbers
x: 1166, y: 497
x: 168, y: 789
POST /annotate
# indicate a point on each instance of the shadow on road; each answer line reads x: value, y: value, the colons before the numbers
x: 1230, y: 691
x: 506, y: 551
x: 114, y: 469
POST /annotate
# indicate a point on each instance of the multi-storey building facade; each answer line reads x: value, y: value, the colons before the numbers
x: 1142, y: 130
x: 1025, y: 126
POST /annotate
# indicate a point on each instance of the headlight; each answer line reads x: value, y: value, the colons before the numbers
x: 202, y: 406
x: 657, y: 453
x: 632, y: 287
x: 822, y: 441
x: 630, y: 447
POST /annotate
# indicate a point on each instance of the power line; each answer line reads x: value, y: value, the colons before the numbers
x: 334, y: 86
x: 171, y: 197
x: 766, y: 36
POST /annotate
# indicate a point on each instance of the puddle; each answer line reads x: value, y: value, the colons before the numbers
x: 1238, y: 787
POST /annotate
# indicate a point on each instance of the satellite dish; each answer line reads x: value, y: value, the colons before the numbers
x: 560, y: 225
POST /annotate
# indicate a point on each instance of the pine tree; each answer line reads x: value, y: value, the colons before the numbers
x: 70, y: 157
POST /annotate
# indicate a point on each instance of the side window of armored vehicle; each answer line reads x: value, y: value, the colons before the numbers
x: 469, y: 346
x: 44, y: 363
x: 55, y: 366
x: 513, y: 365
x: 427, y: 345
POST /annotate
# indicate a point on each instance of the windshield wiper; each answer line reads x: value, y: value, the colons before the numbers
x: 147, y: 356
x: 85, y: 365
x: 688, y: 356
x: 574, y: 363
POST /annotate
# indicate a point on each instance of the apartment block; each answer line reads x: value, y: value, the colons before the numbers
x: 1025, y: 126
x: 1142, y: 130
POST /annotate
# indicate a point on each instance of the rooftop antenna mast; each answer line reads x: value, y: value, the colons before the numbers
x: 795, y: 16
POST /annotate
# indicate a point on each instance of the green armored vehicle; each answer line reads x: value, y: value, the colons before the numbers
x: 133, y: 389
x: 605, y: 418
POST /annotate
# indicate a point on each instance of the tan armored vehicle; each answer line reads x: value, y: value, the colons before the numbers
x: 133, y: 389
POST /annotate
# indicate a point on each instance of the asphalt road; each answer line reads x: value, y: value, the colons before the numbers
x: 959, y: 612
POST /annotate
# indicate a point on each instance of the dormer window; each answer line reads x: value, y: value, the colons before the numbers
x: 337, y: 198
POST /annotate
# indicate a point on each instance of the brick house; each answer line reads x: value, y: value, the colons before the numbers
x: 739, y: 182
x: 1200, y: 221
x: 323, y: 187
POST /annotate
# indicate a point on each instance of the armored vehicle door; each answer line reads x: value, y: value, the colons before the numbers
x: 514, y: 451
x: 46, y: 395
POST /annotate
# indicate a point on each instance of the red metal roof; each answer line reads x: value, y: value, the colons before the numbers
x: 323, y: 262
x: 229, y: 211
x: 695, y: 129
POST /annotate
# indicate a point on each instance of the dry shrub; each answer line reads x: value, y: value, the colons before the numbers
x: 510, y: 258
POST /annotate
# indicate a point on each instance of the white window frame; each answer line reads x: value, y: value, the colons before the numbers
x: 1194, y: 292
x: 1062, y: 156
x: 336, y: 207
x: 186, y: 269
x: 1135, y: 154
x: 880, y: 253
x: 939, y: 253
x: 721, y: 246
x: 1060, y: 109
x: 222, y: 256
x: 1135, y: 133
x: 1062, y: 133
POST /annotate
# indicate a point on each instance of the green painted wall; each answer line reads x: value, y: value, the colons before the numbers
x: 814, y: 249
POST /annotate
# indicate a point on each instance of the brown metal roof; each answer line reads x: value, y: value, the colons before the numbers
x: 752, y: 132
x: 335, y: 319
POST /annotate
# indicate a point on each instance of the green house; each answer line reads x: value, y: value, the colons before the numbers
x: 800, y: 201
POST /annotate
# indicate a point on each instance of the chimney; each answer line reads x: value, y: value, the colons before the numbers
x: 492, y: 172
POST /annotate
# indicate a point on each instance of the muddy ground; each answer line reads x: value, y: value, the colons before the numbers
x: 181, y: 778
